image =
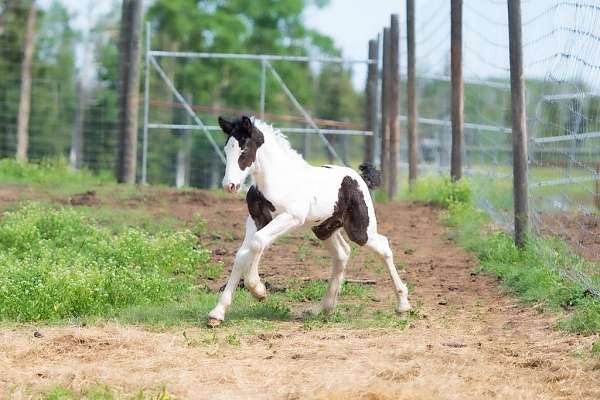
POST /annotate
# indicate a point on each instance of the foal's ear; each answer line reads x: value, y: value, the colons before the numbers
x: 246, y: 123
x: 225, y: 125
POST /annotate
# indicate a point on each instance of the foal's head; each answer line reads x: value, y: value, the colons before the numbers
x: 243, y: 141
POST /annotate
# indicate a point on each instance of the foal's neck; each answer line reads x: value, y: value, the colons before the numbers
x: 274, y: 166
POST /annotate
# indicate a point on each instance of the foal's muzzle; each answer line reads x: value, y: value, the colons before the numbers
x: 231, y: 187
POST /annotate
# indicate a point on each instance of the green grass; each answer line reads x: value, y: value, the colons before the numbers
x: 193, y: 311
x: 102, y: 392
x: 58, y: 263
x: 315, y: 290
x: 531, y: 273
x: 247, y: 316
x: 54, y: 175
x: 119, y: 220
x: 440, y: 191
x: 357, y: 316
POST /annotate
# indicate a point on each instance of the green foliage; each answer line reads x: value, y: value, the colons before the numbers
x: 52, y: 174
x: 57, y: 264
x: 200, y: 226
x: 119, y: 220
x: 585, y: 319
x: 102, y: 392
x: 441, y: 191
x: 381, y: 196
x: 60, y: 393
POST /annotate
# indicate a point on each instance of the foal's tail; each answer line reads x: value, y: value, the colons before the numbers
x: 370, y: 175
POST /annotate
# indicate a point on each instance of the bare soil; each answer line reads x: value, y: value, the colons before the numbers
x: 580, y: 230
x: 472, y: 340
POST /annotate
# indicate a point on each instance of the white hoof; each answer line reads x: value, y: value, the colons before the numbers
x: 213, y: 322
x: 217, y: 314
x: 258, y: 291
x: 403, y: 306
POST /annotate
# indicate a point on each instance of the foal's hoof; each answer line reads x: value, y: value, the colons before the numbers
x: 213, y: 322
x: 403, y: 307
x: 259, y: 297
x: 259, y: 292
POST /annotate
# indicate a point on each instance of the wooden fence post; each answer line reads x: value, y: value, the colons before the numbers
x: 371, y: 101
x: 457, y: 88
x: 129, y: 68
x: 597, y: 193
x: 394, y: 104
x: 519, y: 127
x: 413, y: 159
x: 385, y: 93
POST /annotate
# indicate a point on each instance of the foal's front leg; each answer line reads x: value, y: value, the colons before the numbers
x: 248, y: 256
x: 240, y: 265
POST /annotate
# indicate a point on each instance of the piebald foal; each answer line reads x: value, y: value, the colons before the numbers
x: 289, y: 193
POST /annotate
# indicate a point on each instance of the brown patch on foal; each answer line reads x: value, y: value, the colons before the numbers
x: 350, y: 212
x: 259, y: 207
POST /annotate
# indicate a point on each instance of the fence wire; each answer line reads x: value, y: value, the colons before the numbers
x: 561, y: 47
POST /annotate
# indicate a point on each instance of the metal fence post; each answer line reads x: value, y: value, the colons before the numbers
x: 457, y: 88
x: 146, y: 104
x: 519, y: 127
x: 263, y: 83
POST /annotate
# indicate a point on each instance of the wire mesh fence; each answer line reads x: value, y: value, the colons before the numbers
x: 71, y: 89
x: 561, y: 47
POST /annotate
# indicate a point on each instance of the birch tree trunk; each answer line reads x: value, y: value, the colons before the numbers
x: 25, y: 99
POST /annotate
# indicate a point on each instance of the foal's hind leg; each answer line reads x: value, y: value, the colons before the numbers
x: 340, y: 253
x: 380, y: 245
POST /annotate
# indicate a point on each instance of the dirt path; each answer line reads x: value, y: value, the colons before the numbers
x: 471, y: 342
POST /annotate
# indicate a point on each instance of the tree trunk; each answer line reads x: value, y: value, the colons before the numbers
x: 76, y: 154
x: 129, y: 68
x: 83, y: 92
x: 25, y: 99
